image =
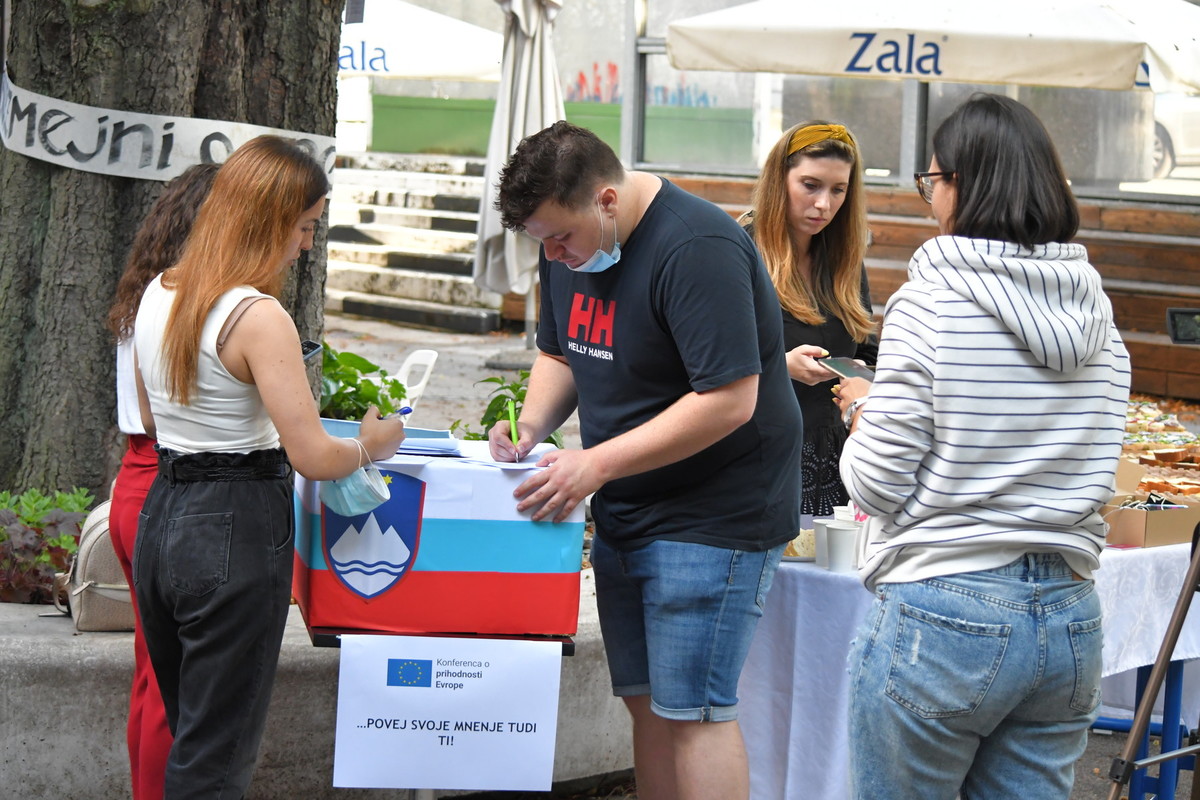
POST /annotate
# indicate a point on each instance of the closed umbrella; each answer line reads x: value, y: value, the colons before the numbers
x: 1087, y: 44
x: 529, y: 99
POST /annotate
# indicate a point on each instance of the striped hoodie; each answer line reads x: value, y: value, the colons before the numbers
x: 995, y: 421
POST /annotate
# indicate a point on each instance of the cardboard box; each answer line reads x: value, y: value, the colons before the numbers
x: 448, y: 553
x: 1136, y: 527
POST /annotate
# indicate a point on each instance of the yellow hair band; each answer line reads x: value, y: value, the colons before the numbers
x: 811, y: 134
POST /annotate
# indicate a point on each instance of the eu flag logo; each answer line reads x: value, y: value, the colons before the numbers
x: 409, y: 672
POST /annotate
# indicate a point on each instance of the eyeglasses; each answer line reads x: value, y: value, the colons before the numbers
x: 925, y: 183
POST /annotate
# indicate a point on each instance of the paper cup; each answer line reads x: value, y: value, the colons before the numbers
x: 821, y: 558
x: 841, y: 541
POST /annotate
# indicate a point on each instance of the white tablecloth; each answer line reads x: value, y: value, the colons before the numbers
x: 1138, y: 590
x: 794, y: 688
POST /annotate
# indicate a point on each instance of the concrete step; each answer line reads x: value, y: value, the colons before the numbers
x: 454, y: 290
x: 404, y: 238
x: 431, y: 219
x: 413, y: 312
x: 414, y: 181
x: 410, y: 162
x: 386, y: 256
x: 401, y: 195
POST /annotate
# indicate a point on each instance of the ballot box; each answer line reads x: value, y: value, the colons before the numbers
x: 447, y: 553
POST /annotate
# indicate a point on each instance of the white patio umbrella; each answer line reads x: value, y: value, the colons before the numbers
x: 1089, y: 44
x: 529, y: 99
x: 400, y: 40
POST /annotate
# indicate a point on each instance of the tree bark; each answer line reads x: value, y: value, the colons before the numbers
x: 64, y: 234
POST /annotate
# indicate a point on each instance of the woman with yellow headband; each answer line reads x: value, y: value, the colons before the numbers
x: 810, y: 224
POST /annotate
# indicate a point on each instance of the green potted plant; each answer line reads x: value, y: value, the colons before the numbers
x: 39, y: 533
x: 497, y: 408
x: 349, y: 385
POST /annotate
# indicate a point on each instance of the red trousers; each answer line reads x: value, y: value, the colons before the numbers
x: 147, y: 734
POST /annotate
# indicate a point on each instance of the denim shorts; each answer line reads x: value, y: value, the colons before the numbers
x: 677, y: 620
x: 980, y: 685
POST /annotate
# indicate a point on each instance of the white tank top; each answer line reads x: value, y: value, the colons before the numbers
x: 129, y: 415
x: 225, y: 414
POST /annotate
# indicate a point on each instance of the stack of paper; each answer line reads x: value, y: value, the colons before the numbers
x: 423, y: 441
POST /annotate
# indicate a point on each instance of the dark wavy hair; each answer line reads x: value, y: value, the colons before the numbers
x: 159, y: 242
x: 564, y: 163
x: 1009, y: 182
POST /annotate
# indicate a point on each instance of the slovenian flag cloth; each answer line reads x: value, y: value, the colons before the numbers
x: 446, y: 553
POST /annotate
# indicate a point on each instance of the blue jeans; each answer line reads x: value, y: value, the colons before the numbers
x: 213, y: 575
x: 677, y: 620
x: 982, y: 683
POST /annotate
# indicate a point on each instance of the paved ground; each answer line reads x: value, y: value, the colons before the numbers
x: 453, y: 393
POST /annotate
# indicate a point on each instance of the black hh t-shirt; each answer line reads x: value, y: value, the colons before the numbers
x: 689, y: 307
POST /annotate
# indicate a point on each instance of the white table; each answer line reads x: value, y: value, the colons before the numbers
x: 794, y: 688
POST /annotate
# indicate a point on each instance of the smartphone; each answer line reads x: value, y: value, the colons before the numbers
x: 846, y: 367
x: 309, y: 348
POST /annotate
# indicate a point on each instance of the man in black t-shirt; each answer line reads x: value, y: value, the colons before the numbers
x: 660, y: 324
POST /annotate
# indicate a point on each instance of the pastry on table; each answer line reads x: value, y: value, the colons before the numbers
x: 803, y: 546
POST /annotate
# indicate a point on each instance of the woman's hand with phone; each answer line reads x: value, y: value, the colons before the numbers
x: 803, y: 364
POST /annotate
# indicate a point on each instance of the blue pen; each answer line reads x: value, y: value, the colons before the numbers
x: 402, y: 412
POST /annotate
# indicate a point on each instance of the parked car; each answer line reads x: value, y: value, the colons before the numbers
x: 1176, y: 131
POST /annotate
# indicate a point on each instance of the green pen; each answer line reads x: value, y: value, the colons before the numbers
x: 512, y: 422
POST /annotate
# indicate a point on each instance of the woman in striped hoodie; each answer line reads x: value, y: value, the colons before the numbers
x: 983, y: 452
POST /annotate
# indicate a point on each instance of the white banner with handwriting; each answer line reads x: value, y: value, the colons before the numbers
x: 124, y: 143
x: 430, y: 712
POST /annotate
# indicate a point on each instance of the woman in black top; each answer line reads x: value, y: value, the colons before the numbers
x: 810, y: 225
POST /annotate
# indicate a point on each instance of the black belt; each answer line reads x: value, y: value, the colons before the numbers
x: 255, y: 465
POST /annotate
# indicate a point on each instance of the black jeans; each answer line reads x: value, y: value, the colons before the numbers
x: 213, y: 574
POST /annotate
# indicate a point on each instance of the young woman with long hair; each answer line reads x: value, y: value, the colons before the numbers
x: 224, y: 390
x: 810, y: 225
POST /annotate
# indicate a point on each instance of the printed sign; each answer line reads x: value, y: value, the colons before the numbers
x: 425, y: 712
x: 124, y: 143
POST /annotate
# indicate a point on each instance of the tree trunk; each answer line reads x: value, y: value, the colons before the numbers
x: 64, y: 234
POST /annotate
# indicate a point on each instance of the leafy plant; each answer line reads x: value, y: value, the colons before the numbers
x: 38, y: 535
x: 497, y: 408
x: 351, y: 383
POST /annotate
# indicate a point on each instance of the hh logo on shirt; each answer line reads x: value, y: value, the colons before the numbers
x: 409, y: 672
x: 591, y: 320
x: 590, y: 327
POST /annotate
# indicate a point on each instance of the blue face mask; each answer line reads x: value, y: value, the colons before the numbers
x: 601, y: 260
x: 358, y: 493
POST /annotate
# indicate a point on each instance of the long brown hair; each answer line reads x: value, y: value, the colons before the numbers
x: 836, y: 252
x: 240, y: 237
x: 158, y: 242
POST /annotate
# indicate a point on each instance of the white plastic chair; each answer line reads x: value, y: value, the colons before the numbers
x: 421, y: 361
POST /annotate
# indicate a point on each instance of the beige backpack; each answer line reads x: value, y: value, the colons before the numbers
x: 97, y: 595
